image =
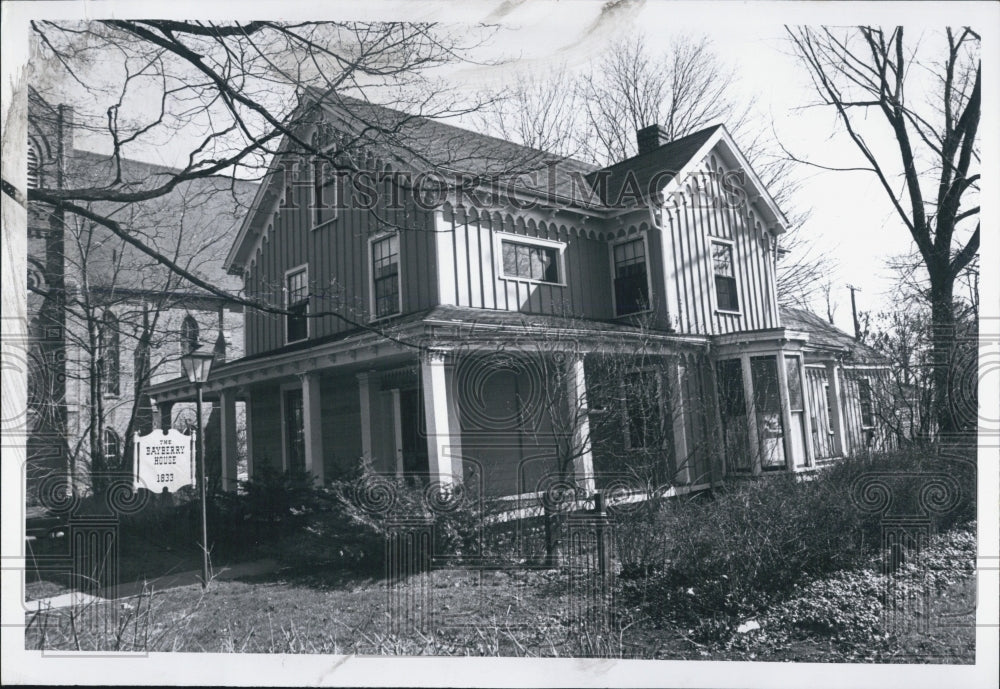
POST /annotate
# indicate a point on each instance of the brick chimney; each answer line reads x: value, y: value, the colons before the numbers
x: 651, y: 137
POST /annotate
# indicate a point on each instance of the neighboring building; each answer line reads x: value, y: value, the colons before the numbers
x: 107, y: 321
x: 465, y: 332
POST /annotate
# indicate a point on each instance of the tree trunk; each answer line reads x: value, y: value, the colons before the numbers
x: 943, y: 355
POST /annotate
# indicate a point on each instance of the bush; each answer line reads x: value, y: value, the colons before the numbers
x: 731, y: 555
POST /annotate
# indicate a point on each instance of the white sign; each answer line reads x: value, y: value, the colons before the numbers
x: 164, y: 460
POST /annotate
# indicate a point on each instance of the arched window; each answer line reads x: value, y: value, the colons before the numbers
x: 189, y: 335
x: 112, y: 447
x: 34, y: 169
x: 111, y: 354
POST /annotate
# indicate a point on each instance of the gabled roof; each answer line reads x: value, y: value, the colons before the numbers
x: 421, y: 144
x: 664, y: 161
x: 823, y: 335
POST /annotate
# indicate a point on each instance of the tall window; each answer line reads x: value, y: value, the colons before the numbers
x: 726, y: 298
x: 112, y: 447
x: 865, y: 398
x: 189, y: 335
x: 530, y: 261
x: 642, y: 410
x: 110, y: 354
x: 385, y: 275
x: 34, y: 169
x: 324, y: 193
x: 295, y: 434
x: 297, y: 305
x: 631, y: 284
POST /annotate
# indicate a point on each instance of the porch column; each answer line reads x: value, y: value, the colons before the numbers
x: 166, y: 411
x: 675, y: 387
x: 444, y: 442
x: 312, y: 425
x: 365, y: 401
x: 753, y: 434
x: 786, y: 410
x: 227, y: 426
x: 807, y: 413
x: 836, y: 416
x: 249, y: 434
x: 583, y: 456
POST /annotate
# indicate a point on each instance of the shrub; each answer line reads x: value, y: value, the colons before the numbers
x: 746, y: 546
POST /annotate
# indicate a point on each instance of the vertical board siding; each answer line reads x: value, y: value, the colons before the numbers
x: 337, y: 255
x: 479, y: 283
x: 698, y: 215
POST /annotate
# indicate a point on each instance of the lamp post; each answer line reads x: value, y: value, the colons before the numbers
x: 197, y: 365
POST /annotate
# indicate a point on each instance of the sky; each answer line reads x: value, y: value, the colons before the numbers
x: 850, y: 220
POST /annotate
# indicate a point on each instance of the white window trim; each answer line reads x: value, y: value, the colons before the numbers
x: 372, y: 317
x: 334, y: 184
x: 715, y: 296
x: 284, y: 290
x: 644, y: 235
x: 662, y: 405
x: 500, y: 237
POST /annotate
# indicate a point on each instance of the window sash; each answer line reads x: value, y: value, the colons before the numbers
x: 631, y: 281
x: 530, y: 261
x: 385, y: 275
x: 866, y: 403
x: 297, y: 306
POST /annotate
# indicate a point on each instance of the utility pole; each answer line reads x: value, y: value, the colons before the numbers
x: 854, y: 312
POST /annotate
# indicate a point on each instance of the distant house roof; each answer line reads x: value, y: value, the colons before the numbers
x: 823, y: 335
x: 194, y: 224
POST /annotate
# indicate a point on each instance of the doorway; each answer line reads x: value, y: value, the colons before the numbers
x: 413, y: 436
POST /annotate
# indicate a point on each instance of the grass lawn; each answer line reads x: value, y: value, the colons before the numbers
x: 455, y: 612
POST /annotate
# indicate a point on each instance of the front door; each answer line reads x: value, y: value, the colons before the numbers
x: 295, y: 449
x: 414, y: 435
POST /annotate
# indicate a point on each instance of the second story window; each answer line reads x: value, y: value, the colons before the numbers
x: 631, y: 282
x: 110, y: 355
x: 385, y: 276
x: 297, y: 305
x: 726, y: 297
x: 189, y: 335
x: 529, y: 260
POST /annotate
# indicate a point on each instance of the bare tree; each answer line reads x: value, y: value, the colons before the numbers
x: 230, y: 97
x: 930, y: 102
x: 684, y: 86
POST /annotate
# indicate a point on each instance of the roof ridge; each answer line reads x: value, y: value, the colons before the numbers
x: 465, y: 130
x: 706, y: 130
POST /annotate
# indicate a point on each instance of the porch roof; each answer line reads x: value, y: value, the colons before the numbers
x: 824, y: 336
x: 445, y: 327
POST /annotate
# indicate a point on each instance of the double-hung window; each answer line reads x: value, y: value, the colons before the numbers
x: 385, y: 276
x: 531, y: 260
x: 631, y: 281
x: 297, y: 305
x: 726, y: 296
x: 867, y: 406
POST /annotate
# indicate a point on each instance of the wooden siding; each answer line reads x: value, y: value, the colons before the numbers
x: 337, y: 255
x: 822, y: 437
x: 475, y: 279
x: 860, y: 439
x: 696, y: 216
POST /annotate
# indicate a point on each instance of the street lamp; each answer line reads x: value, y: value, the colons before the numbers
x: 196, y: 366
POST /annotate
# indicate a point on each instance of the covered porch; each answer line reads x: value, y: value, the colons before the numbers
x: 499, y: 403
